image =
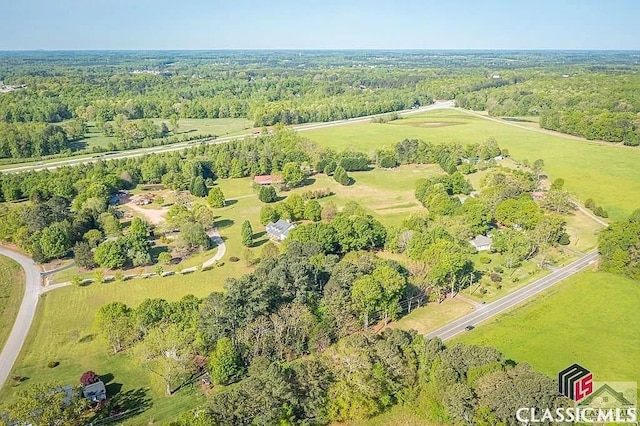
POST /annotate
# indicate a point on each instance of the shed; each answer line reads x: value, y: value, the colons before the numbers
x: 279, y: 230
x: 95, y: 392
x: 481, y: 242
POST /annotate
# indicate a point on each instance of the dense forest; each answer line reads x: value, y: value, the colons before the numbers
x: 591, y: 94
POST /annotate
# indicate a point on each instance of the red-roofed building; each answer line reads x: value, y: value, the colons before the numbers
x: 267, y: 179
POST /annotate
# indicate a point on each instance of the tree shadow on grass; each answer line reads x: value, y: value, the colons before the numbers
x: 113, y: 389
x: 122, y: 405
x: 259, y: 243
x: 224, y: 223
x: 107, y: 378
x: 86, y: 339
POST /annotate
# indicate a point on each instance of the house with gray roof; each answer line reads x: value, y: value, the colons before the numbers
x: 279, y: 230
x: 481, y: 242
x: 95, y: 392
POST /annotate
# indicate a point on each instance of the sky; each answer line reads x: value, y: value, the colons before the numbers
x: 314, y: 24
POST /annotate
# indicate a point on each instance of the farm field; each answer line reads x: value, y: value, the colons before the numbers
x: 11, y: 291
x: 187, y: 127
x: 573, y: 323
x: 590, y: 169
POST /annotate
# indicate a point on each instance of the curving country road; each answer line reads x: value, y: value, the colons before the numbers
x: 507, y: 302
x: 182, y: 145
x: 26, y: 313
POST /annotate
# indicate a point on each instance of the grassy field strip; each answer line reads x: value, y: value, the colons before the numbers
x: 573, y: 322
x: 433, y: 315
x: 11, y: 292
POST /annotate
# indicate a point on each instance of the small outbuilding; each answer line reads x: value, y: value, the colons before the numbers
x: 481, y: 242
x: 279, y: 230
x: 95, y: 392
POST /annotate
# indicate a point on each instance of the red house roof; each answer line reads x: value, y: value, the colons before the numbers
x: 267, y: 179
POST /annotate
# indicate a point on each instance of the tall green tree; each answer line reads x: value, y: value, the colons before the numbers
x: 115, y: 322
x: 55, y: 241
x: 340, y: 175
x: 198, y: 187
x: 267, y: 194
x: 215, y: 197
x: 268, y: 214
x: 110, y: 254
x: 247, y: 234
x: 313, y: 211
x: 224, y: 363
x: 292, y: 175
x: 167, y: 352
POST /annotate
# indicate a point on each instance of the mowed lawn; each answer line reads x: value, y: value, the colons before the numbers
x: 606, y: 173
x: 433, y: 315
x: 388, y: 194
x: 63, y: 331
x: 11, y: 291
x: 590, y: 319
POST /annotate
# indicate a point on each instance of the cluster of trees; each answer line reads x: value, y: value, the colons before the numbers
x: 595, y: 104
x: 133, y: 132
x: 596, y: 209
x: 133, y: 249
x: 25, y: 140
x: 294, y: 208
x: 619, y: 246
x: 161, y: 335
x: 436, y: 193
x: 364, y: 375
x: 610, y: 126
x: 218, y: 86
x: 263, y: 155
x: 350, y: 230
x: 448, y: 156
x: 330, y: 161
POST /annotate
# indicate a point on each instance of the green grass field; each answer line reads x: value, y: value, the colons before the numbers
x: 186, y: 126
x: 590, y: 169
x: 433, y: 315
x: 590, y: 319
x: 11, y: 291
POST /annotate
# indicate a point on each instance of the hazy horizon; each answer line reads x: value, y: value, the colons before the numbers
x: 70, y: 25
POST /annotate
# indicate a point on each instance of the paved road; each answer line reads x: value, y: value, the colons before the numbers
x: 26, y: 313
x: 492, y: 309
x: 182, y: 145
